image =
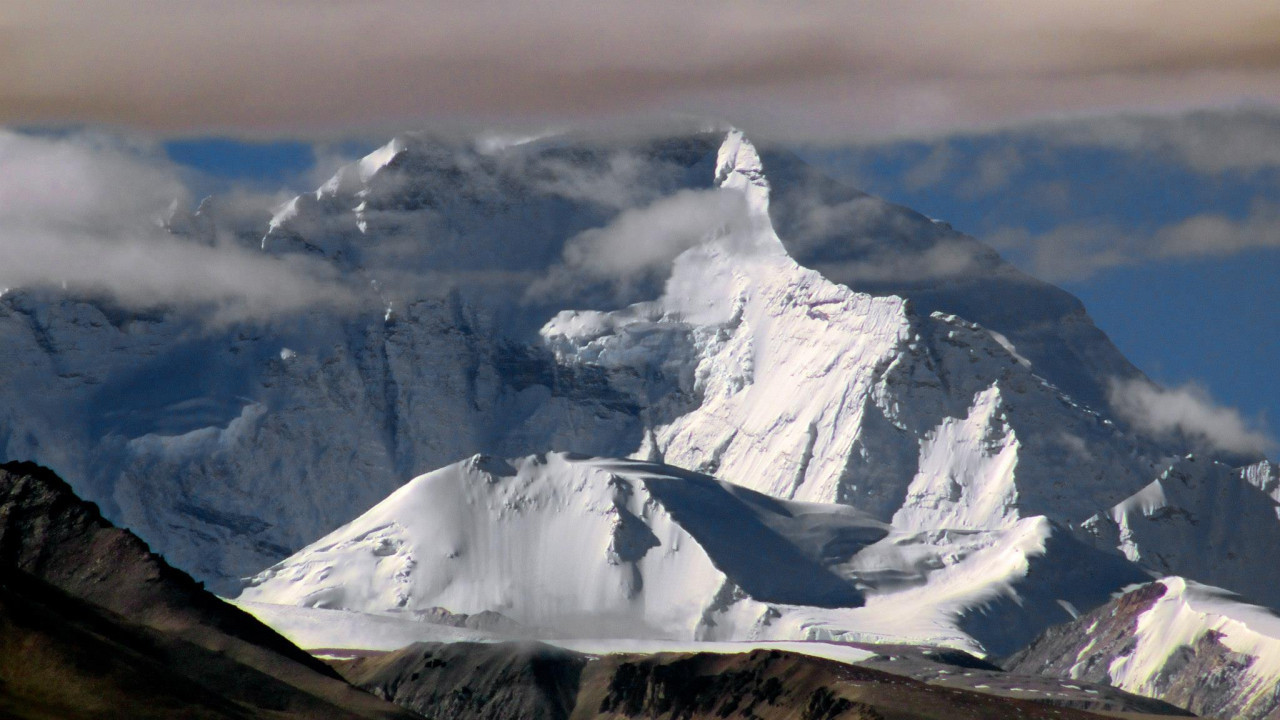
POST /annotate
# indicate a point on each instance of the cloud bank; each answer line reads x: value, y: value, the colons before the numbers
x: 86, y: 213
x: 1188, y: 410
x: 826, y: 70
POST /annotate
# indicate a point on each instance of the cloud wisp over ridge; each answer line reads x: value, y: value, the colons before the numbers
x: 1191, y: 411
x: 641, y: 243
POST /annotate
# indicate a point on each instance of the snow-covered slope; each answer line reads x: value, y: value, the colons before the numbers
x: 1202, y: 519
x: 571, y: 546
x: 585, y: 547
x: 1192, y: 645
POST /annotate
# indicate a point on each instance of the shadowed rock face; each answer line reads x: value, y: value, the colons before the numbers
x: 47, y: 531
x: 63, y: 658
x: 1069, y: 571
x: 468, y: 680
x: 93, y: 624
x: 463, y: 681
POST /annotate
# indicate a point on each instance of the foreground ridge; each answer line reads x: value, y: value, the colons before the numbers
x: 98, y: 626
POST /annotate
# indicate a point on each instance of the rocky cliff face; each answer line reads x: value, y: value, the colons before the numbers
x: 1202, y: 519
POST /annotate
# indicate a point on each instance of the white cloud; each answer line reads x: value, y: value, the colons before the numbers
x: 86, y: 212
x: 1188, y: 410
x: 640, y: 244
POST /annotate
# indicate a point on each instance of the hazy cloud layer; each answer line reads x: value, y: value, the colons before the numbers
x: 979, y: 164
x: 1075, y: 251
x: 817, y: 69
x: 1241, y: 139
x: 87, y: 213
x: 1188, y: 410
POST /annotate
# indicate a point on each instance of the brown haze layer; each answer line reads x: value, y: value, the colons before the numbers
x: 817, y: 70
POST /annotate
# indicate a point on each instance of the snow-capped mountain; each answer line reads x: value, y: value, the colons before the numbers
x: 230, y: 446
x: 574, y: 546
x: 690, y: 301
x: 582, y: 547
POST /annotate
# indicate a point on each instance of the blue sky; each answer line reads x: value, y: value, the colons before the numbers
x: 281, y: 162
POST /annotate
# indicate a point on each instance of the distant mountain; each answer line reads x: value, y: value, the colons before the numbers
x: 94, y: 625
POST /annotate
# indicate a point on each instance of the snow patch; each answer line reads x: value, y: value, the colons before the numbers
x: 370, y: 164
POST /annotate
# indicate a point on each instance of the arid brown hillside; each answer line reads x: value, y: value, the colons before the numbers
x: 93, y: 624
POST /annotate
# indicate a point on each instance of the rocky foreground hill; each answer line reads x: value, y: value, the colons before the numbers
x: 467, y: 681
x: 95, y: 625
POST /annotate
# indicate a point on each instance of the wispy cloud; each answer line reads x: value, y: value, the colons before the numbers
x: 820, y: 70
x: 1076, y: 251
x: 1188, y: 410
x: 975, y: 164
x: 86, y: 212
x: 1240, y: 139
